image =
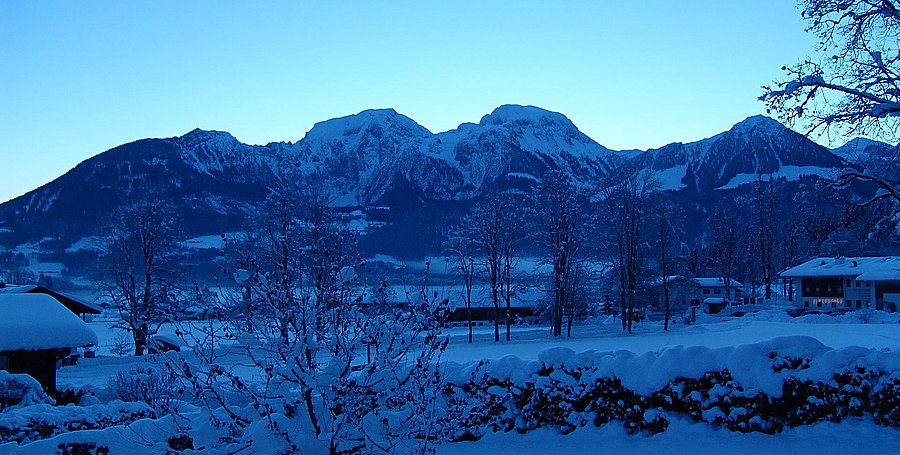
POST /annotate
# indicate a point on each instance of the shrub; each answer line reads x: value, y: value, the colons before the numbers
x: 153, y: 386
x: 20, y: 390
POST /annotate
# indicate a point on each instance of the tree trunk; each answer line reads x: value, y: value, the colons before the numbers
x: 495, y: 297
x: 469, y: 312
x: 668, y: 307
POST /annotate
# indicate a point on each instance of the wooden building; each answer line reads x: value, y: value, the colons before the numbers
x: 36, y: 333
x: 74, y: 304
x: 847, y: 283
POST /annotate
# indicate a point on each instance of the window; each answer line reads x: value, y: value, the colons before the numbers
x: 4, y: 362
x: 848, y: 283
x: 806, y: 304
x: 833, y: 304
x: 868, y: 284
x: 718, y: 291
x: 706, y: 291
x: 858, y: 304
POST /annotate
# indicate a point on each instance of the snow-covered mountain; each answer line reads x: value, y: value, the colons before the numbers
x: 383, y: 158
x: 757, y: 146
x: 370, y: 153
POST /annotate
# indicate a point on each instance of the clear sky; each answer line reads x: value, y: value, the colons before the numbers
x: 78, y: 78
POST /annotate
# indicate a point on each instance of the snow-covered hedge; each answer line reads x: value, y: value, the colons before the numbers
x: 20, y: 390
x: 29, y: 423
x: 765, y: 387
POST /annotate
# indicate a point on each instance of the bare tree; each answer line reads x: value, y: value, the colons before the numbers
x: 495, y: 225
x: 561, y: 234
x: 666, y: 240
x: 138, y: 256
x: 460, y: 250
x: 625, y: 198
x: 767, y: 237
x: 725, y: 248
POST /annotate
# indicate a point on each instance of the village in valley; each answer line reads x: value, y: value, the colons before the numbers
x: 508, y: 285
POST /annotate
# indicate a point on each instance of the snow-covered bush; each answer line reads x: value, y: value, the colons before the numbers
x: 156, y: 387
x: 886, y: 401
x: 30, y: 423
x: 20, y: 390
x: 332, y: 368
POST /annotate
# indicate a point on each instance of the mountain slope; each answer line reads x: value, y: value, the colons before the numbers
x: 757, y: 146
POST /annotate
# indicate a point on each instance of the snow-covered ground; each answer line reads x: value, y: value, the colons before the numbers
x: 854, y: 435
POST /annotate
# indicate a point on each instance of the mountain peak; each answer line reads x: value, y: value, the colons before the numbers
x: 198, y: 136
x: 762, y: 123
x: 518, y: 113
x: 353, y: 124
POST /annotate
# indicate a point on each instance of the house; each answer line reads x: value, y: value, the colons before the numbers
x: 74, y: 304
x: 687, y: 292
x: 482, y: 315
x: 847, y: 283
x: 36, y: 333
x: 715, y: 288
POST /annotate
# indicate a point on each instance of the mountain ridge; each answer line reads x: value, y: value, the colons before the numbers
x: 380, y: 155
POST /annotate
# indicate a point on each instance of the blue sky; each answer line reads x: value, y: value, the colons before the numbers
x: 78, y: 78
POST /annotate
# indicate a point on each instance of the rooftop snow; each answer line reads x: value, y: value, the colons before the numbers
x: 715, y: 282
x: 37, y: 321
x: 863, y: 268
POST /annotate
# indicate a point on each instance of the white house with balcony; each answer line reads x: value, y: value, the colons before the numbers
x: 847, y: 283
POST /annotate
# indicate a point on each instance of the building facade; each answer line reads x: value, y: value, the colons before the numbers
x: 852, y: 283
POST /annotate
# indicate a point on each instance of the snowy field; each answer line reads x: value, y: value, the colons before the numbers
x: 854, y: 435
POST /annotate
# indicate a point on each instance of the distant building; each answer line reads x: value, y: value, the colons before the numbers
x: 481, y: 315
x: 74, y: 304
x: 834, y: 284
x: 36, y: 333
x: 686, y: 292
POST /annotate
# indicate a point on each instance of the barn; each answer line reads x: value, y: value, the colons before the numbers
x: 36, y: 333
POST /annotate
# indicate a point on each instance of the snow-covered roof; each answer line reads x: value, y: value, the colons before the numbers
x: 715, y: 282
x: 714, y: 300
x: 38, y: 321
x: 74, y: 304
x: 884, y: 268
